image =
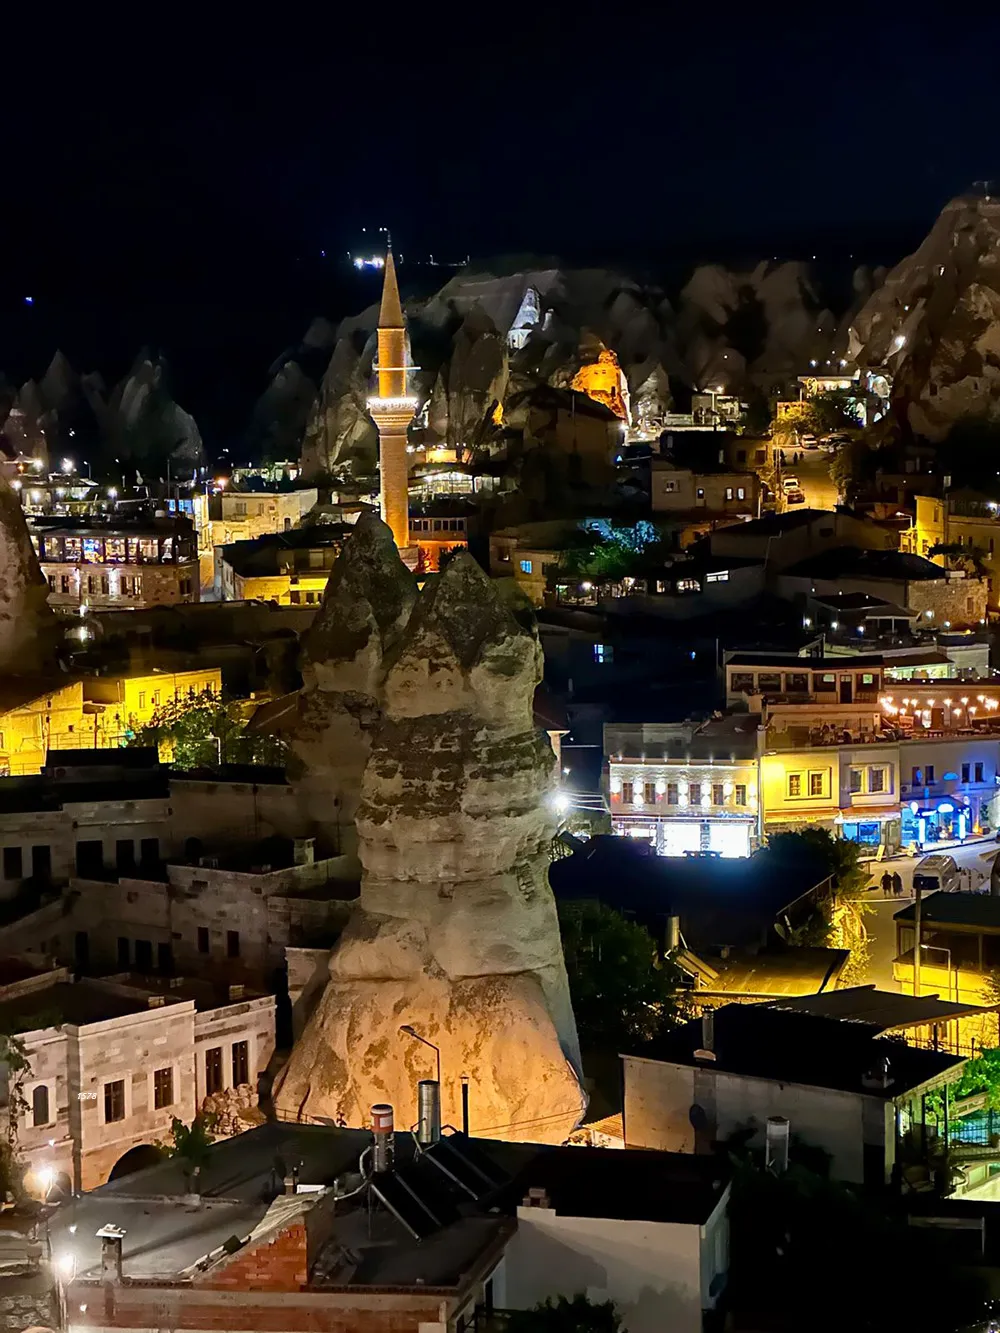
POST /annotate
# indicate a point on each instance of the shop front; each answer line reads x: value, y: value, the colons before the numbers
x: 871, y: 828
x: 939, y: 819
x: 734, y: 837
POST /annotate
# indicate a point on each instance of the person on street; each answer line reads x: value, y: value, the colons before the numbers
x: 897, y: 884
x: 887, y: 883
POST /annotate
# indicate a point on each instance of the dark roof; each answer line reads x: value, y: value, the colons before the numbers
x: 852, y: 562
x: 771, y: 524
x: 720, y: 900
x: 956, y: 909
x: 882, y: 1009
x: 261, y: 775
x: 76, y: 1002
x: 260, y: 554
x: 762, y: 1041
x: 856, y: 602
x: 42, y: 792
x: 633, y: 1186
x: 133, y: 757
x: 793, y: 662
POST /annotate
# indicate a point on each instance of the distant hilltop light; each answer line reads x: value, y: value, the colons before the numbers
x: 369, y: 261
x: 29, y: 300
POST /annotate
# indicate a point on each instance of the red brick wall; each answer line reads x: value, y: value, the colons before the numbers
x: 133, y: 1307
x: 277, y: 1264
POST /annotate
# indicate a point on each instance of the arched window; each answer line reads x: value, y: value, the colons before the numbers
x: 40, y: 1105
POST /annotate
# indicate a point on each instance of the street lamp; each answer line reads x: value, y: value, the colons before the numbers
x: 417, y: 1037
x: 940, y: 948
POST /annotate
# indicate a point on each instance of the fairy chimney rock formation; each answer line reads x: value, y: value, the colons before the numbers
x: 456, y: 932
x: 27, y: 624
x: 366, y: 605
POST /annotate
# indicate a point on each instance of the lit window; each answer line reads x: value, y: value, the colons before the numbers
x: 694, y: 792
x: 717, y: 576
x: 740, y: 794
x: 729, y: 492
x: 40, y: 1105
x: 669, y: 487
x: 855, y: 780
x: 671, y: 793
x: 718, y: 794
x: 741, y: 493
x: 603, y: 652
x: 979, y: 773
x: 815, y: 784
x: 700, y: 493
x: 795, y: 784
x: 627, y: 793
x: 525, y: 566
x: 688, y: 585
x: 876, y: 779
x: 649, y: 793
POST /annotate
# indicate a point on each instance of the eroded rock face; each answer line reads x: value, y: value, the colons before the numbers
x: 27, y: 625
x: 456, y: 931
x: 366, y: 605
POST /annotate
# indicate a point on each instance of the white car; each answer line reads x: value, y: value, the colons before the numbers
x: 809, y: 440
x: 790, y: 484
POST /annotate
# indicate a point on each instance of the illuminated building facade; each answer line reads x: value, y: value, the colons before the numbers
x: 604, y: 381
x: 392, y: 408
x: 119, y: 565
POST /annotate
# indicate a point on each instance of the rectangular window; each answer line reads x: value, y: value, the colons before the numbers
x: 114, y: 1101
x: 669, y: 487
x: 241, y: 1063
x: 627, y: 793
x: 854, y: 780
x: 649, y: 793
x: 124, y: 951
x: 163, y: 1088
x: 700, y: 493
x: 741, y: 493
x: 213, y: 1070
x: 741, y: 793
x: 144, y: 955
x: 12, y: 863
x: 694, y: 793
x: 917, y: 778
x: 40, y: 1105
x: 867, y: 678
x: 203, y: 939
x: 41, y: 855
x: 718, y: 794
x: 149, y: 851
x: 525, y: 566
x: 930, y: 773
x: 232, y: 944
x: 815, y: 784
x: 966, y: 772
x: 824, y: 682
x: 105, y: 585
x: 603, y: 652
x: 876, y: 779
x: 125, y: 854
x: 717, y: 576
x: 142, y: 698
x: 729, y: 492
x: 64, y: 584
x: 671, y: 793
x: 165, y: 959
x: 796, y: 682
x: 795, y: 784
x: 978, y: 773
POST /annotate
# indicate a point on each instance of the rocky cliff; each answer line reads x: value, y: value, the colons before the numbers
x: 28, y: 629
x: 456, y: 932
x: 935, y: 322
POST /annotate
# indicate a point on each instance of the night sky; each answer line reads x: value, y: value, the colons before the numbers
x: 176, y: 184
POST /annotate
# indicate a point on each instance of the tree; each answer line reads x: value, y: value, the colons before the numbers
x: 566, y: 1315
x: 838, y: 917
x: 16, y: 1066
x: 190, y: 1144
x: 204, y: 730
x: 621, y: 992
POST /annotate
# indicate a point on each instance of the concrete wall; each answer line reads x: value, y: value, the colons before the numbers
x: 659, y: 1095
x: 251, y: 1021
x: 651, y: 1270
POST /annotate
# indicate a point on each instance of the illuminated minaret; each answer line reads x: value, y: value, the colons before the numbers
x: 392, y: 409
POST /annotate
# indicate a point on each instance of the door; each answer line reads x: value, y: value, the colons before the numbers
x: 846, y: 689
x: 90, y: 858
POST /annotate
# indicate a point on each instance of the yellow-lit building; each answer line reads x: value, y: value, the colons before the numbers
x: 964, y: 518
x: 290, y: 568
x: 603, y: 381
x: 90, y: 713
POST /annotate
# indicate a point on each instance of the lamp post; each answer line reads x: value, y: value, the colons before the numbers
x: 417, y: 1037
x: 940, y: 948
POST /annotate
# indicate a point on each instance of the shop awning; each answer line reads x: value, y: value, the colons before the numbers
x: 868, y: 814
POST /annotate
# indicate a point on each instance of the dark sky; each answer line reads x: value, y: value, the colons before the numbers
x: 171, y: 162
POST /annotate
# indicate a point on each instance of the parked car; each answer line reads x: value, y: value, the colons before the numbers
x: 935, y: 873
x: 808, y: 439
x: 790, y: 484
x: 795, y: 497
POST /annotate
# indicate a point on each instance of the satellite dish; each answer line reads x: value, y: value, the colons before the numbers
x: 697, y: 1116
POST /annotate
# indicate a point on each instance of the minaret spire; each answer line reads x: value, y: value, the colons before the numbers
x: 392, y: 408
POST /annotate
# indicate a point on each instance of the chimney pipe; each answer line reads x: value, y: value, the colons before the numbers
x: 428, y: 1112
x: 708, y: 1030
x: 673, y: 934
x: 111, y: 1253
x: 382, y: 1138
x: 776, y: 1144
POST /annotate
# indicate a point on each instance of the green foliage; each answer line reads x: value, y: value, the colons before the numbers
x: 621, y: 993
x: 190, y: 1143
x: 204, y: 730
x: 15, y: 1063
x: 837, y: 920
x: 566, y: 1315
x: 801, y: 1241
x: 980, y: 1075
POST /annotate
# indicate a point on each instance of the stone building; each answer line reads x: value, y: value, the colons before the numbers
x: 113, y: 1061
x: 120, y: 562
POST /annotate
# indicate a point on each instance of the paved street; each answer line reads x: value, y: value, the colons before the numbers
x: 977, y: 857
x: 813, y: 472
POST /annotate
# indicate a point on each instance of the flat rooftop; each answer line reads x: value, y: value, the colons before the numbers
x: 956, y: 909
x: 780, y: 1045
x: 75, y: 1002
x: 886, y: 1010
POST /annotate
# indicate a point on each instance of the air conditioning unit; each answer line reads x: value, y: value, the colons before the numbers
x: 209, y: 862
x: 237, y: 991
x: 156, y: 1001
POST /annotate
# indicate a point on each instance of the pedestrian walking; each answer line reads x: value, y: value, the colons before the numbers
x: 897, y: 884
x: 886, y: 883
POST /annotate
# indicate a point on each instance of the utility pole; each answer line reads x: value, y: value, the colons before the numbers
x: 916, y: 937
